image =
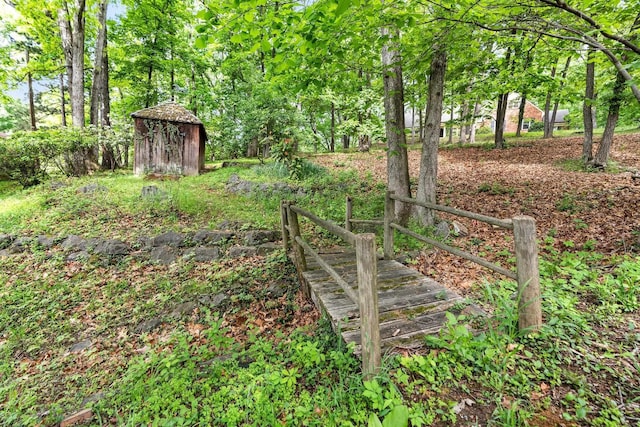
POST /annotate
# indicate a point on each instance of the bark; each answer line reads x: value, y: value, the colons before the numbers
x: 397, y: 159
x: 500, y: 118
x: 465, y: 128
x: 548, y: 124
x: 451, y: 118
x: 602, y: 155
x: 332, y: 146
x: 32, y: 108
x: 563, y: 79
x: 521, y: 107
x: 588, y: 115
x: 476, y: 113
x: 427, y: 181
x: 77, y: 95
x: 63, y: 105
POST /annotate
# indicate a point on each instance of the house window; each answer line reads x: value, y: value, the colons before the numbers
x: 525, y: 125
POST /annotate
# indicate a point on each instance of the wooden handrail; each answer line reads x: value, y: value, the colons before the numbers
x: 504, y: 223
x: 329, y: 225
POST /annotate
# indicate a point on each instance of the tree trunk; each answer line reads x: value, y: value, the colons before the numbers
x: 332, y: 146
x: 500, y: 118
x: 100, y: 102
x: 563, y: 78
x: 32, y: 108
x: 476, y: 113
x: 464, y: 119
x: 451, y: 118
x: 548, y: 124
x: 521, y: 107
x: 602, y: 155
x: 588, y: 113
x: 77, y: 94
x: 427, y: 181
x: 63, y: 105
x: 397, y: 160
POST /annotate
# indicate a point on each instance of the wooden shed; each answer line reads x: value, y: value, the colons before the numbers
x: 169, y: 139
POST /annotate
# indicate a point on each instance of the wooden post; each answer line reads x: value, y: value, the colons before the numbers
x: 368, y: 301
x: 349, y: 213
x: 389, y: 214
x: 298, y: 251
x: 284, y: 223
x: 529, y: 305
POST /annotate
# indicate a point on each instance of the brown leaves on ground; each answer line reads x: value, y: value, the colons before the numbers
x: 591, y: 210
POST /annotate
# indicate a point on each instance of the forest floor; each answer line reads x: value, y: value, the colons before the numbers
x: 573, y: 209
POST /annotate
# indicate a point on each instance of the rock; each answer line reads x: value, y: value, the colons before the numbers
x: 203, y: 254
x: 82, y: 345
x: 19, y: 245
x: 213, y: 301
x: 459, y: 407
x: 45, y: 242
x: 92, y: 398
x: 147, y: 326
x: 267, y: 248
x: 74, y: 243
x: 230, y: 225
x: 256, y: 237
x: 242, y: 251
x: 78, y: 417
x: 184, y: 309
x: 163, y: 254
x: 152, y: 192
x: 276, y: 290
x: 91, y: 188
x: 4, y: 253
x: 111, y: 248
x: 144, y: 242
x: 6, y: 240
x: 170, y: 238
x: 206, y: 237
x: 442, y: 230
x: 78, y: 256
x: 56, y: 185
x: 236, y: 185
x: 459, y: 229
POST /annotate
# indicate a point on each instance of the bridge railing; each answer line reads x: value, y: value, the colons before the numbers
x: 366, y: 297
x: 526, y: 250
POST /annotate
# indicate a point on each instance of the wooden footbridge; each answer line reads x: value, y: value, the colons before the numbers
x: 380, y: 304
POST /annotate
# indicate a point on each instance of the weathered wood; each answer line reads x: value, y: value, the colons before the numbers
x: 327, y: 268
x: 504, y: 223
x: 298, y: 251
x: 389, y: 214
x: 284, y: 223
x: 348, y: 214
x: 529, y: 304
x: 331, y: 226
x: 369, y: 326
x: 455, y: 251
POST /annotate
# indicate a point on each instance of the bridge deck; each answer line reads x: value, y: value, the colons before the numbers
x: 410, y: 304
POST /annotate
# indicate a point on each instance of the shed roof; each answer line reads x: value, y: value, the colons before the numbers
x: 169, y: 111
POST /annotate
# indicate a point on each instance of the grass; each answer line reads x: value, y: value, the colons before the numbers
x: 259, y: 359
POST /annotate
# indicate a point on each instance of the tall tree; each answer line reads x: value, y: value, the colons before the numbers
x: 588, y: 115
x: 71, y: 20
x: 397, y: 157
x: 427, y: 181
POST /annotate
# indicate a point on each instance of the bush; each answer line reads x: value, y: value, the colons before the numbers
x: 26, y: 156
x: 536, y: 126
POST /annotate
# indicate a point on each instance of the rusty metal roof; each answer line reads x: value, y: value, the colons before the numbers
x: 168, y: 111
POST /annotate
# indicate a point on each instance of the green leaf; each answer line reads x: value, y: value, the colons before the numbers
x: 204, y: 14
x: 398, y: 417
x: 374, y: 421
x: 250, y: 16
x: 343, y: 6
x: 201, y: 42
x: 237, y: 38
x: 266, y: 46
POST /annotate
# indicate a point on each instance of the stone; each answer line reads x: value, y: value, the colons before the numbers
x: 77, y: 256
x: 74, y: 243
x: 170, y: 238
x: 91, y: 188
x: 276, y: 290
x: 203, y: 254
x: 242, y: 251
x: 206, y: 237
x: 111, y: 248
x: 147, y: 326
x: 78, y: 417
x: 79, y: 346
x: 442, y: 230
x: 459, y: 229
x: 152, y: 192
x: 236, y: 185
x: 20, y: 245
x: 256, y: 237
x: 213, y: 301
x: 267, y: 248
x: 230, y: 225
x: 45, y: 242
x: 6, y: 240
x: 56, y: 185
x: 184, y: 309
x: 4, y: 253
x: 163, y: 254
x: 92, y: 398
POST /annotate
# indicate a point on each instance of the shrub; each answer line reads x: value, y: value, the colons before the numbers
x: 536, y: 126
